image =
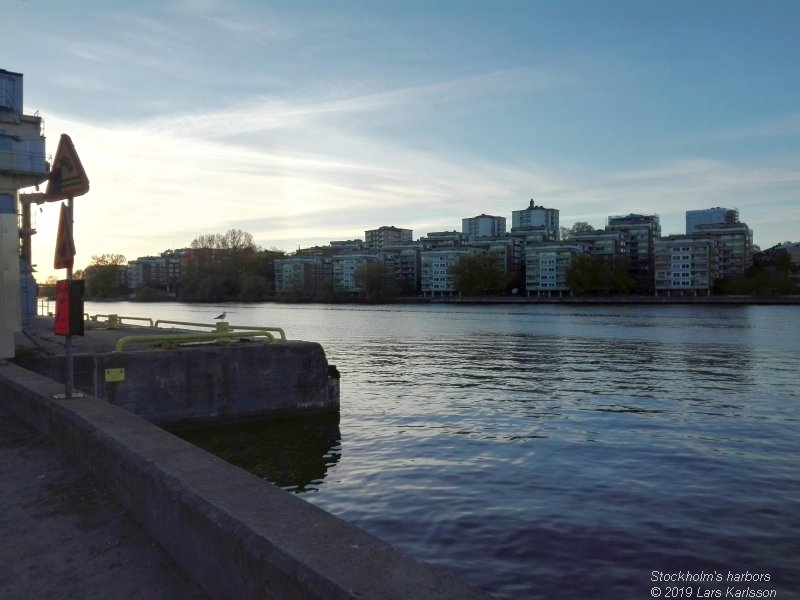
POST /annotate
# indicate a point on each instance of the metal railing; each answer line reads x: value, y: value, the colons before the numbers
x: 175, y: 338
x: 223, y: 326
x: 113, y: 321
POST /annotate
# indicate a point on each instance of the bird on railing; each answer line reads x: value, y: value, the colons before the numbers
x: 222, y: 316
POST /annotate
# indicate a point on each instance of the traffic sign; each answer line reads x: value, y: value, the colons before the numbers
x: 65, y: 245
x: 67, y: 177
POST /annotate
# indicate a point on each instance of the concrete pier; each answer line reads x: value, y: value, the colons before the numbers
x: 184, y: 386
x: 232, y: 533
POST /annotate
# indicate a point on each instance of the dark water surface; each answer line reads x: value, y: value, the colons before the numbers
x: 549, y: 451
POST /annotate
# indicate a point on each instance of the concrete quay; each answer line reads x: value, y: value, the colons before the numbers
x: 224, y: 532
x: 188, y: 385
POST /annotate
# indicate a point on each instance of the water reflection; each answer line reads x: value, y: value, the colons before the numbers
x: 294, y: 454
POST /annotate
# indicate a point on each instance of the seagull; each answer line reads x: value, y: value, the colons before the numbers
x: 222, y: 316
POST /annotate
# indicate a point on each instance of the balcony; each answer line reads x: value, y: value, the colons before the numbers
x: 24, y: 160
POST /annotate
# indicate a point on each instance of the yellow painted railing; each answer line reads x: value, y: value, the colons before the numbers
x: 176, y: 338
x: 116, y: 320
x: 223, y: 326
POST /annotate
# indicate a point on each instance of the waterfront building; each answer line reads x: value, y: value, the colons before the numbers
x: 161, y: 272
x: 546, y: 266
x: 442, y: 239
x: 301, y: 276
x: 537, y: 221
x: 403, y: 262
x: 344, y: 270
x: 609, y: 243
x: 685, y: 265
x: 375, y: 239
x: 510, y: 252
x: 710, y: 216
x: 735, y: 247
x: 642, y: 231
x: 436, y: 277
x: 483, y: 226
x: 347, y: 246
x: 23, y: 163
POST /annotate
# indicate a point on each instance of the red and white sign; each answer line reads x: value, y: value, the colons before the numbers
x: 67, y: 177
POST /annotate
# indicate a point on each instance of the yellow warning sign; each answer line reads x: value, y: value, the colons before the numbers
x: 67, y: 177
x: 113, y: 375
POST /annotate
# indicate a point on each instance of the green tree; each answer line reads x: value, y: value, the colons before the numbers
x: 588, y: 274
x: 105, y: 276
x: 578, y: 228
x: 476, y: 274
x: 376, y: 282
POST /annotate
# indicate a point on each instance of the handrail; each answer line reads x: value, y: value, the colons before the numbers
x: 114, y: 320
x: 223, y: 326
x: 190, y: 337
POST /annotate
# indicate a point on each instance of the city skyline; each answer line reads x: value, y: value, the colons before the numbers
x: 308, y: 122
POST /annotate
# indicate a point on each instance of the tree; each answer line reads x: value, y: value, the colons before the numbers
x: 376, y: 282
x: 578, y: 228
x: 588, y: 274
x: 478, y: 274
x: 105, y: 276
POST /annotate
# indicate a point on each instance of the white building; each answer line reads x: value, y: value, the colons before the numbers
x: 344, y: 269
x: 685, y: 265
x: 536, y: 220
x: 483, y: 226
x: 22, y: 164
x: 375, y: 239
x: 546, y: 266
x: 436, y: 264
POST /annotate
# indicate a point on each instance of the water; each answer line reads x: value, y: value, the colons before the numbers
x: 547, y: 451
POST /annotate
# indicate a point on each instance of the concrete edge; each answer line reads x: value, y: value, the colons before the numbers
x: 236, y: 535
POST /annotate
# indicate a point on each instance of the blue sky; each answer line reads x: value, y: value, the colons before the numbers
x: 304, y: 122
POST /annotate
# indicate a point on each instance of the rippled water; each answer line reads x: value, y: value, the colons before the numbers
x: 547, y: 451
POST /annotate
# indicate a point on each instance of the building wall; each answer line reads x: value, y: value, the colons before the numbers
x: 546, y: 265
x: 536, y: 218
x: 710, y: 216
x: 642, y: 231
x: 344, y: 269
x: 375, y: 239
x: 685, y: 265
x: 735, y: 244
x: 436, y: 265
x: 483, y: 226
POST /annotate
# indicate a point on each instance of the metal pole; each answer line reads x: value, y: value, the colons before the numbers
x: 69, y: 373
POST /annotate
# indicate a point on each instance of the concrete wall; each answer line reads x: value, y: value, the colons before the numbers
x: 236, y: 535
x: 205, y: 384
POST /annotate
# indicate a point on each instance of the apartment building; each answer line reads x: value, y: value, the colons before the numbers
x: 535, y: 220
x: 710, y: 216
x: 735, y: 246
x: 344, y: 269
x: 442, y: 239
x: 161, y: 272
x: 302, y: 275
x: 685, y: 265
x: 483, y: 226
x: 404, y: 263
x: 609, y: 243
x: 436, y: 277
x: 375, y: 239
x: 546, y: 266
x: 642, y: 231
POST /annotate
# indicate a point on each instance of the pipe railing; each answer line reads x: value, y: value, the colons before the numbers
x: 176, y: 338
x: 223, y: 326
x: 116, y: 320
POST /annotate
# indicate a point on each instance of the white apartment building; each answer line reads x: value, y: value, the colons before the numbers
x: 483, y: 226
x: 546, y: 266
x: 375, y: 239
x: 344, y: 269
x: 685, y: 265
x: 436, y: 264
x: 536, y: 219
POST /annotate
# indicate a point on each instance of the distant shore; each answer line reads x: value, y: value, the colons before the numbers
x: 521, y: 299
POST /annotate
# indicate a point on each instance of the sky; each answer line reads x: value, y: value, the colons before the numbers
x: 303, y: 122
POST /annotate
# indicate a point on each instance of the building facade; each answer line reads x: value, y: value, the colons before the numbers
x: 161, y: 272
x: 735, y: 247
x: 710, y: 216
x: 344, y: 271
x: 301, y: 276
x: 483, y: 226
x: 436, y: 277
x: 546, y: 266
x: 642, y: 232
x: 376, y: 239
x: 685, y: 265
x: 536, y: 220
x: 23, y: 163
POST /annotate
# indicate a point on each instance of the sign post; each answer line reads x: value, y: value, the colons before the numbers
x: 67, y: 180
